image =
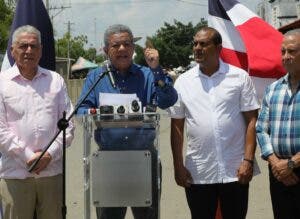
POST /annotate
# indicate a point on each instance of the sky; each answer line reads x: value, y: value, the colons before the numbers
x: 144, y: 17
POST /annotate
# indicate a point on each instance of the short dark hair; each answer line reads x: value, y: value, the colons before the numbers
x: 216, y: 38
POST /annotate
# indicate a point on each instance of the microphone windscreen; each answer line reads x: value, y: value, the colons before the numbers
x: 107, y: 64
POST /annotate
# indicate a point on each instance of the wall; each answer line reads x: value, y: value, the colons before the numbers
x: 74, y: 88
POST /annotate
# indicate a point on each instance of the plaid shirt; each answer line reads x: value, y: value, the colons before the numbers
x: 278, y: 125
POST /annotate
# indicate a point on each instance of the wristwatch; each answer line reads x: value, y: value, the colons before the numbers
x: 291, y: 164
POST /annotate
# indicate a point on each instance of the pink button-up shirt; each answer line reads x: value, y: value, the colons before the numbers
x: 29, y: 111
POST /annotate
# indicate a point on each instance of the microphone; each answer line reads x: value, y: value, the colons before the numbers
x: 110, y: 74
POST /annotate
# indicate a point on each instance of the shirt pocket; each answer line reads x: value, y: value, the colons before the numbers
x: 14, y: 107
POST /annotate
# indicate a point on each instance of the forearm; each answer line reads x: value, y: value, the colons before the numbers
x: 84, y: 102
x: 250, y: 146
x: 296, y: 159
x: 177, y: 142
x: 177, y: 151
x: 55, y: 150
x: 272, y: 159
x: 263, y: 130
x: 250, y: 137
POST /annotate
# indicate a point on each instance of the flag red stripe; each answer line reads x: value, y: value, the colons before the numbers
x: 263, y: 46
x: 234, y: 57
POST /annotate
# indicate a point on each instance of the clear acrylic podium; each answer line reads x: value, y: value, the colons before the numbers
x: 123, y: 170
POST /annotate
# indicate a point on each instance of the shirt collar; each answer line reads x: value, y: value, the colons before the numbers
x: 223, y: 69
x: 15, y: 72
x: 285, y: 79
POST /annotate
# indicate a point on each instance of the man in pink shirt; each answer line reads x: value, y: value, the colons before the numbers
x: 32, y: 100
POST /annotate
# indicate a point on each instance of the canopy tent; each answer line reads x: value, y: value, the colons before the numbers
x: 82, y: 63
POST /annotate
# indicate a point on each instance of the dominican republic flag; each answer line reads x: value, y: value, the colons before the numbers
x: 248, y: 41
x: 34, y: 13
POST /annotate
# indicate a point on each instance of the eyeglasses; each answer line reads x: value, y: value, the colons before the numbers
x: 24, y: 46
x: 117, y: 45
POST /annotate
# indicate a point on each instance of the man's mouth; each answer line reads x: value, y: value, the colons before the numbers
x: 28, y: 58
x: 122, y: 57
x: 198, y: 56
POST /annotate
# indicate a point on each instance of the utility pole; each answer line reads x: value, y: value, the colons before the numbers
x: 69, y: 46
x: 95, y: 29
x: 60, y: 9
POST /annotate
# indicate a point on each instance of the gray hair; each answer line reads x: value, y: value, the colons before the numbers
x: 115, y: 29
x: 26, y: 29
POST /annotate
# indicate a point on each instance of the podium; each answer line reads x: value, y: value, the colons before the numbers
x: 123, y: 170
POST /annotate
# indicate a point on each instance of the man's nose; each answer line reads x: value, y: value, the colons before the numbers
x: 286, y: 55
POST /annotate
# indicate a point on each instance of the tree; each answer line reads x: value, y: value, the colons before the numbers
x: 139, y: 55
x: 6, y: 16
x: 173, y: 43
x: 91, y: 54
x: 76, y: 47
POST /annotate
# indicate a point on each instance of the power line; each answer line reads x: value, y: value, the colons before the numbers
x: 192, y: 3
x: 137, y: 1
x: 120, y: 2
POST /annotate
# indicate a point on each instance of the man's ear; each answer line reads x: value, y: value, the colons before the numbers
x: 219, y: 47
x: 12, y: 51
x: 105, y: 49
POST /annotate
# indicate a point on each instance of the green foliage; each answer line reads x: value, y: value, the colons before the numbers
x: 6, y: 16
x: 76, y: 48
x: 173, y: 41
x: 72, y: 46
x: 139, y: 55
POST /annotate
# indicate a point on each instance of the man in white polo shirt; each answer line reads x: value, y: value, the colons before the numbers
x: 219, y: 104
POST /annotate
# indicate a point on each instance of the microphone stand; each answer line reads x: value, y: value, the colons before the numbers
x: 62, y: 124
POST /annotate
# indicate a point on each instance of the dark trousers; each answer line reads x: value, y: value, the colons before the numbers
x: 203, y: 200
x: 285, y: 199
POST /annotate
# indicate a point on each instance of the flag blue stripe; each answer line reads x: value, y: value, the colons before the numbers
x: 228, y: 4
x: 218, y: 8
x: 33, y: 12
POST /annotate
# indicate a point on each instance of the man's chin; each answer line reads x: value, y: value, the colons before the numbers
x: 199, y: 61
x: 29, y: 64
x: 123, y: 66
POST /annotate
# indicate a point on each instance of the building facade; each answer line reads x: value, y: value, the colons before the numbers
x: 279, y: 13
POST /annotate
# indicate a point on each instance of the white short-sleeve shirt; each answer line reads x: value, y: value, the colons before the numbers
x: 212, y: 108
